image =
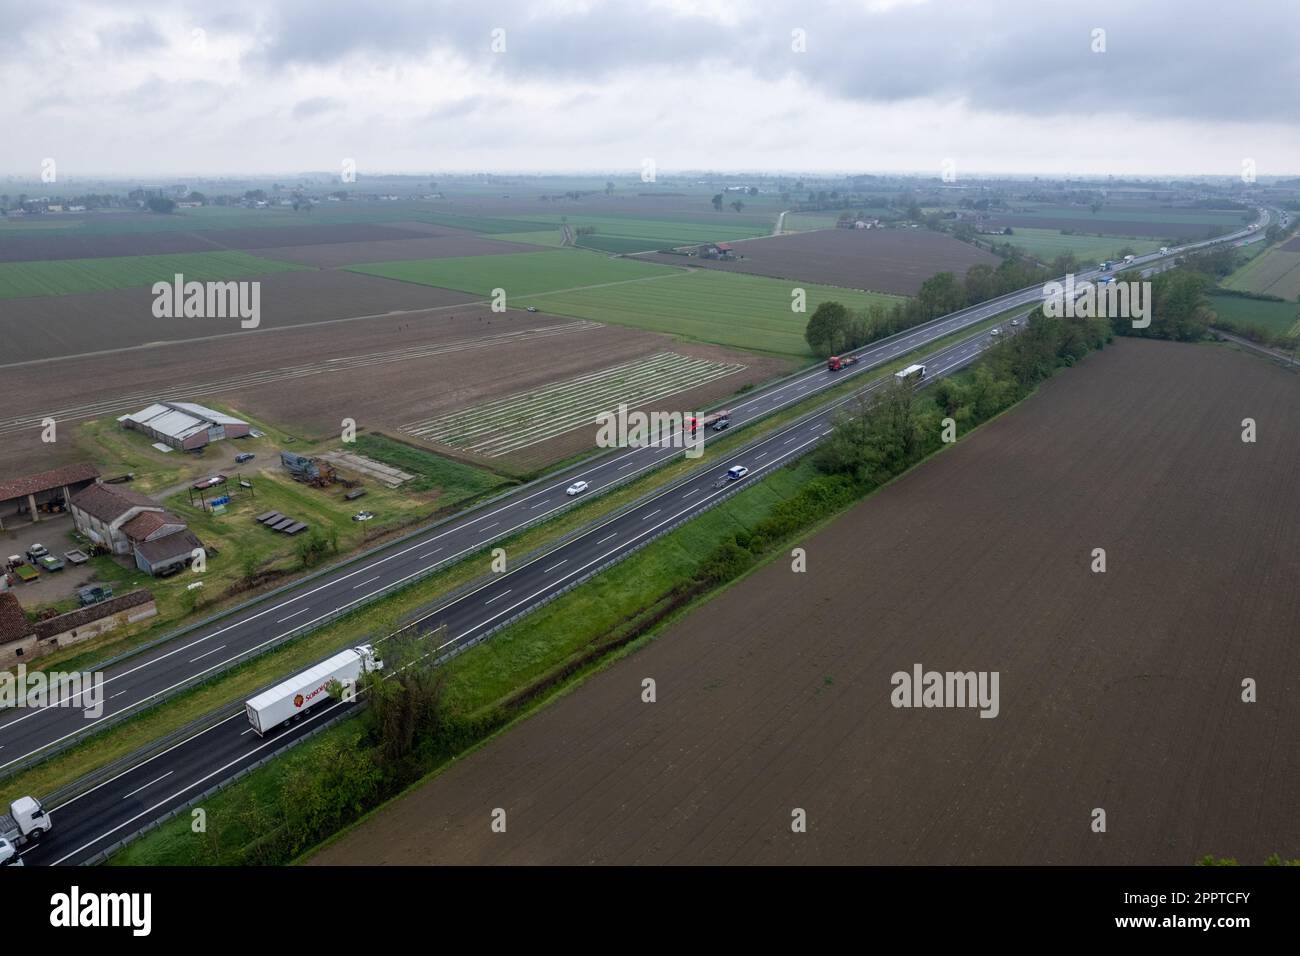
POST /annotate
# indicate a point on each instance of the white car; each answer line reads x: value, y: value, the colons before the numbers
x: 1015, y: 321
x: 995, y: 332
x: 736, y: 472
x: 577, y: 488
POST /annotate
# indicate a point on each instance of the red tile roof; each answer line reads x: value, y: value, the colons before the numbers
x: 13, y: 622
x: 47, y: 480
x: 84, y: 615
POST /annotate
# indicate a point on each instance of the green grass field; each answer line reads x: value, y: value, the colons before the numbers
x: 1280, y: 318
x: 1118, y: 213
x: 455, y: 481
x: 1047, y: 244
x: 619, y: 234
x: 546, y: 237
x: 742, y: 311
x: 520, y: 274
x: 1273, y: 273
x: 67, y: 276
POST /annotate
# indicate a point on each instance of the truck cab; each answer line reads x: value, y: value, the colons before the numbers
x: 9, y: 854
x: 25, y: 822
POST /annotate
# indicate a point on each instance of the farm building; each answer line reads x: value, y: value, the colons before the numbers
x: 21, y: 640
x: 127, y: 522
x: 716, y: 250
x: 166, y: 553
x: 185, y: 425
x: 47, y: 491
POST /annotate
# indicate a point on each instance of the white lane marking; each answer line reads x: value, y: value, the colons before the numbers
x: 148, y: 785
x: 554, y: 566
x: 501, y: 595
x: 490, y: 526
x: 165, y: 800
x: 206, y: 653
x: 428, y: 554
x: 540, y: 504
x: 283, y: 619
x: 364, y: 583
x: 691, y: 492
x: 610, y: 538
x: 595, y: 562
x: 652, y: 514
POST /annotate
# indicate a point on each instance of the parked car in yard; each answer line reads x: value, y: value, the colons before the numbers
x: 363, y: 516
x: 94, y: 593
x: 36, y: 552
x: 244, y: 456
x: 51, y: 563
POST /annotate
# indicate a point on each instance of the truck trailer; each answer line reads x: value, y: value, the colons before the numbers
x: 909, y: 373
x: 712, y: 420
x: 25, y: 822
x: 837, y: 362
x: 289, y: 700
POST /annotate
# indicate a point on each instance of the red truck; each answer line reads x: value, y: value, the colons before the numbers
x: 714, y: 420
x: 837, y: 362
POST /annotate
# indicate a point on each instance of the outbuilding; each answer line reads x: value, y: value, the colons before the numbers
x: 185, y: 425
x: 47, y: 491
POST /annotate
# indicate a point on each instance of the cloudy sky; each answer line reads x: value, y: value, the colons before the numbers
x: 282, y: 86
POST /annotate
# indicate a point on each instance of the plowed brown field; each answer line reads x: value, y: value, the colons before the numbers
x: 1118, y: 691
x: 876, y: 260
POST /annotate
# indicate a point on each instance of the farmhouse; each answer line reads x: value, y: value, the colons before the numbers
x: 47, y: 491
x: 22, y: 640
x: 127, y: 522
x: 185, y: 425
x: 716, y: 250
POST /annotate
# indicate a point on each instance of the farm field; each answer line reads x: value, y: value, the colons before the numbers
x: 812, y: 221
x: 620, y: 234
x: 305, y: 378
x: 53, y: 326
x: 445, y: 244
x: 1130, y: 220
x: 895, y: 261
x: 525, y: 419
x: 1117, y: 690
x: 1280, y: 318
x: 739, y: 311
x: 1047, y: 244
x: 161, y: 241
x: 1275, y: 272
x: 520, y: 274
x: 70, y: 276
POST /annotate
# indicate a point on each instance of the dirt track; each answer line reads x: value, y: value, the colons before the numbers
x: 876, y: 260
x: 1118, y: 690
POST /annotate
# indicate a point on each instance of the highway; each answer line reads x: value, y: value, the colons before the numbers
x: 137, y: 681
x: 100, y: 817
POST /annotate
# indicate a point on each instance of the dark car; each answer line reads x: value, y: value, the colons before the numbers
x: 244, y: 456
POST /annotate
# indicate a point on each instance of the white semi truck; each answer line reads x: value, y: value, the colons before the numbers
x: 910, y: 373
x: 26, y: 821
x: 289, y: 700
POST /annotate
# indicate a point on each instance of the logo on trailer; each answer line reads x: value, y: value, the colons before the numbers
x: 297, y: 700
